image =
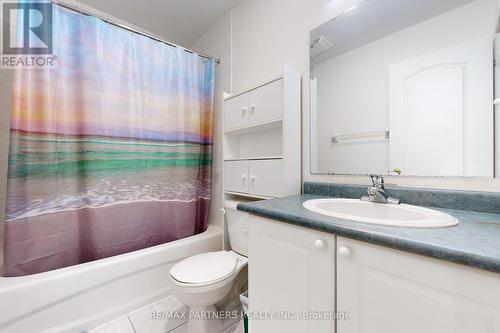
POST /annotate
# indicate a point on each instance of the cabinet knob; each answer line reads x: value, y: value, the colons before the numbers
x: 320, y: 244
x: 243, y: 178
x: 243, y: 111
x: 245, y: 231
x: 344, y: 251
x: 252, y: 108
x: 252, y: 178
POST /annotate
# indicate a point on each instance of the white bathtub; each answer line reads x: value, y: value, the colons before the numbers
x: 81, y: 297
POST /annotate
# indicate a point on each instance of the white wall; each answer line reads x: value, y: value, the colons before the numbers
x: 217, y: 43
x: 353, y: 88
x: 269, y: 33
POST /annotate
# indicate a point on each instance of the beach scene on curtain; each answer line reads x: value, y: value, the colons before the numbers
x: 110, y: 152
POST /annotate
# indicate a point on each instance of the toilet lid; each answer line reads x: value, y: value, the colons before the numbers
x: 204, y: 268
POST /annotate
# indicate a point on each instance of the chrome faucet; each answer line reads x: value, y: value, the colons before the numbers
x: 377, y: 192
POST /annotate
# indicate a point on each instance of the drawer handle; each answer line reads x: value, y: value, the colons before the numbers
x: 320, y: 244
x: 344, y: 251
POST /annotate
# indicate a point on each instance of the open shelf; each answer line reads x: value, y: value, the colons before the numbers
x: 266, y: 144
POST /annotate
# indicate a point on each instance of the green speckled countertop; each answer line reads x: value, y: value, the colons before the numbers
x: 474, y: 242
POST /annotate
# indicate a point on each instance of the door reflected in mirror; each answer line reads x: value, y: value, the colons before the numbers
x: 405, y: 87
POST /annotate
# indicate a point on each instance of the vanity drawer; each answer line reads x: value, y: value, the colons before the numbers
x: 266, y: 177
x: 236, y: 176
x: 236, y: 113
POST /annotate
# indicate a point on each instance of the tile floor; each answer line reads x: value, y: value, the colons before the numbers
x: 140, y: 320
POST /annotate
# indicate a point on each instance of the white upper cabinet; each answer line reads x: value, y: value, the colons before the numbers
x: 391, y: 291
x: 257, y: 106
x: 266, y: 103
x: 236, y: 112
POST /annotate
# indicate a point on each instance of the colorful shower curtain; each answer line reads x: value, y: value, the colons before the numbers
x: 109, y: 153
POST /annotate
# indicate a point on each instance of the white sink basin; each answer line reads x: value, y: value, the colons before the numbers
x: 374, y: 213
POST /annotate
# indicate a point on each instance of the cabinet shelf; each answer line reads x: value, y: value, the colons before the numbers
x: 276, y: 78
x: 253, y: 158
x: 277, y: 123
x: 247, y: 195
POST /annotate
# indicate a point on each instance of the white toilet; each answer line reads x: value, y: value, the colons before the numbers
x: 202, y: 280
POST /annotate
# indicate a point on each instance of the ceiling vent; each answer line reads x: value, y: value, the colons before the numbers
x: 320, y: 45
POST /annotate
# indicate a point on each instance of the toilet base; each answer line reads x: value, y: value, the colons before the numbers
x: 201, y: 320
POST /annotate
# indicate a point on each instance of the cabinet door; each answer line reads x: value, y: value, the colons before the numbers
x: 291, y: 270
x: 391, y: 291
x: 236, y: 113
x: 236, y: 176
x: 266, y: 177
x: 266, y: 102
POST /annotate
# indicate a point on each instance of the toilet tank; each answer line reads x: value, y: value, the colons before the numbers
x: 237, y: 227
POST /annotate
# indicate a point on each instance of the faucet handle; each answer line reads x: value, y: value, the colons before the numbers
x: 377, y: 180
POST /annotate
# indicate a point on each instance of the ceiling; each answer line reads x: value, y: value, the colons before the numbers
x: 179, y: 21
x: 374, y: 19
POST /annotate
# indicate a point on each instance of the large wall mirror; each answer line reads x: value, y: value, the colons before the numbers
x: 405, y: 87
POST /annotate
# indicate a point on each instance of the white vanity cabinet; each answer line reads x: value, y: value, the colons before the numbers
x: 390, y: 291
x: 297, y: 269
x: 291, y: 271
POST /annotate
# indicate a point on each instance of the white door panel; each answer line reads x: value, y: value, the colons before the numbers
x: 441, y: 113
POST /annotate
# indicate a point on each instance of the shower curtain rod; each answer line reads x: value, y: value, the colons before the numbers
x: 129, y: 28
